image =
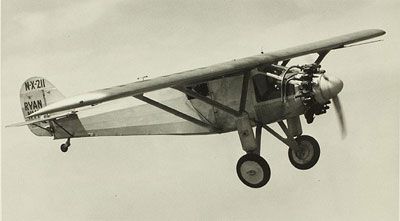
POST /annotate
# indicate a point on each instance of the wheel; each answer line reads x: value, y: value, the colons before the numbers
x: 64, y: 147
x: 307, y: 155
x: 253, y: 170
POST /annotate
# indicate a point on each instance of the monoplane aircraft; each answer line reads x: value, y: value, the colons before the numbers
x: 236, y: 95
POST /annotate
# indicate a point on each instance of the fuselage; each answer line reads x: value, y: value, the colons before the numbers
x: 145, y: 119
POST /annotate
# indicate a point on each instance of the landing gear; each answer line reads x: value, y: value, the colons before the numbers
x: 64, y: 146
x: 303, y: 150
x: 306, y: 154
x: 253, y: 170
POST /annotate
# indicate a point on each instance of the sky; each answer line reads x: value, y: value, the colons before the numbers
x: 90, y: 44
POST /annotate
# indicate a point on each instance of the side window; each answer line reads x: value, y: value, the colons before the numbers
x: 260, y: 87
x: 201, y: 89
x: 265, y: 88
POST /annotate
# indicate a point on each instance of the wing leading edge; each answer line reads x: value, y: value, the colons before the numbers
x: 205, y: 73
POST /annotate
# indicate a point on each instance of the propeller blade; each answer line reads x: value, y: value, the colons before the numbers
x: 339, y: 111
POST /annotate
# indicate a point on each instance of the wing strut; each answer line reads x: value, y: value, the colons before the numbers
x: 285, y: 62
x: 243, y: 98
x: 174, y: 112
x: 321, y: 56
x: 209, y: 101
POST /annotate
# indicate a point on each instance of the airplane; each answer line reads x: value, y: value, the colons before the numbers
x: 238, y: 95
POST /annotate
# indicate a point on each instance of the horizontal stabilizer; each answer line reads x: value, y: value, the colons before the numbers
x: 40, y: 120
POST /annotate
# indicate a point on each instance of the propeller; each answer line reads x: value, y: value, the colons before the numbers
x: 318, y: 89
x: 339, y: 111
x: 329, y: 88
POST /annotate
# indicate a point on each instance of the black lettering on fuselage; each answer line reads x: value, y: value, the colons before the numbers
x: 33, y: 105
x: 36, y: 84
x: 32, y: 84
x: 27, y: 88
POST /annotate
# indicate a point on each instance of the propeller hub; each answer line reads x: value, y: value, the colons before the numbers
x: 326, y: 88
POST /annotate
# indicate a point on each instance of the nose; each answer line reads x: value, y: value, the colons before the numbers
x: 327, y: 87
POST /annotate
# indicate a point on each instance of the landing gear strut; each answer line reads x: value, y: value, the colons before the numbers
x: 253, y: 170
x: 303, y: 151
x: 64, y: 146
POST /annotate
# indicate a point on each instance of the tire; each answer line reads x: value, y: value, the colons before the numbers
x: 308, y: 154
x: 253, y: 170
x: 64, y: 147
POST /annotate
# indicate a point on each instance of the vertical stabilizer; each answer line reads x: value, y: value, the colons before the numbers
x: 36, y: 93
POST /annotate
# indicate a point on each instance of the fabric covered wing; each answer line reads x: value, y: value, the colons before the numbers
x: 205, y: 73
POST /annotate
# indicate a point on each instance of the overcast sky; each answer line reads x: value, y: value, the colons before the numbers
x: 85, y: 45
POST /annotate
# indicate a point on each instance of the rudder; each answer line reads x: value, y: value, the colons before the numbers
x: 36, y: 93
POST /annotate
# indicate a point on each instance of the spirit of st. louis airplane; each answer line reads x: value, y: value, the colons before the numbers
x: 236, y: 95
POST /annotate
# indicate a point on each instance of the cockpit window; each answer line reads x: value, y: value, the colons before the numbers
x: 201, y: 89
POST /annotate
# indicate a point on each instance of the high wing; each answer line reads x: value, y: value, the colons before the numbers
x: 206, y: 73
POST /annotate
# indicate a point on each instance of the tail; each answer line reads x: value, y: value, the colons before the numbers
x: 36, y: 93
